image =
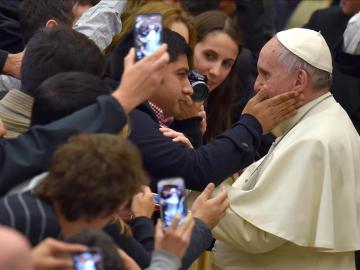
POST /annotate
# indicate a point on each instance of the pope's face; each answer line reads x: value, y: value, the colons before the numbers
x: 272, y: 77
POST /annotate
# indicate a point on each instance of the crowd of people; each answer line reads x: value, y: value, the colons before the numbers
x: 88, y: 129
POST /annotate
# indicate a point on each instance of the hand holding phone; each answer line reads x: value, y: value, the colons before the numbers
x: 147, y: 34
x: 172, y: 200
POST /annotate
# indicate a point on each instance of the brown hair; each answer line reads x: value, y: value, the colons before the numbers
x: 170, y: 15
x: 219, y: 108
x: 92, y: 174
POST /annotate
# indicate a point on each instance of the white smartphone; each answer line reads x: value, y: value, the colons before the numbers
x: 147, y: 33
x: 172, y: 200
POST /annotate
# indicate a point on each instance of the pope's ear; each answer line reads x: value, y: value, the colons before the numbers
x: 51, y: 23
x: 301, y: 80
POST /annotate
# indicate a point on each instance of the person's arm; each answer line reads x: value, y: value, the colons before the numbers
x: 101, y: 22
x: 143, y: 232
x: 208, y: 163
x: 129, y: 245
x: 12, y: 64
x: 142, y: 208
x: 161, y: 259
x: 201, y: 239
x: 228, y: 153
x: 31, y: 153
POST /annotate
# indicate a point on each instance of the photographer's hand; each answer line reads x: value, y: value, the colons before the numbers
x: 143, y: 204
x: 51, y: 254
x: 176, y: 238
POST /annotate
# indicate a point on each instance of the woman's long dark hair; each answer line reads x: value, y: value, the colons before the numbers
x: 219, y: 107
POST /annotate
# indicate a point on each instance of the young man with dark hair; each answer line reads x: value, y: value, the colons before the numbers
x: 50, y: 51
x: 65, y: 93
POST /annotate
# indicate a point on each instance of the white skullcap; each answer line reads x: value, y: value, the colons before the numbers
x: 309, y: 45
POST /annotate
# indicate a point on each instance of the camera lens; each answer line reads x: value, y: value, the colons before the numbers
x: 199, y: 85
x: 200, y: 91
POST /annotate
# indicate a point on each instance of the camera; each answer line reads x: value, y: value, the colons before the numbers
x: 199, y: 84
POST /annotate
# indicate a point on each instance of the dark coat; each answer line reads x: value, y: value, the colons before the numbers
x: 30, y: 154
x: 228, y: 153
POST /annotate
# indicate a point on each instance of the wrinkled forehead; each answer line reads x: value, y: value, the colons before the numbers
x: 270, y: 51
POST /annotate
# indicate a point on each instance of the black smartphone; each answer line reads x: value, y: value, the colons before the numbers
x: 172, y: 200
x: 147, y: 33
x: 90, y: 260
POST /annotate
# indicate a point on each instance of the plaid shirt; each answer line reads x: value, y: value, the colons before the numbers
x: 163, y: 121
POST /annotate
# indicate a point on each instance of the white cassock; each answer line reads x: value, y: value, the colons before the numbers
x: 300, y: 209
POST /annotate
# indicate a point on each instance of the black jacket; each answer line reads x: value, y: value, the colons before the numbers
x: 228, y: 153
x: 10, y: 34
x: 30, y: 154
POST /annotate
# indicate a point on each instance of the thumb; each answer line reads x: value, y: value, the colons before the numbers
x: 207, y: 192
x: 129, y: 60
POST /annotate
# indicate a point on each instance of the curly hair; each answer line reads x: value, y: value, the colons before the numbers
x: 92, y: 175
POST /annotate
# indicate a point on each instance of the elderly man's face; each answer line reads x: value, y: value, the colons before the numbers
x: 272, y: 75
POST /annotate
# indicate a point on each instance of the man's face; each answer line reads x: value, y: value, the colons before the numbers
x: 272, y: 75
x: 175, y: 87
x: 350, y: 7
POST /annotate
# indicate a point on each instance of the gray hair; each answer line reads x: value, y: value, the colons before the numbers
x: 319, y: 78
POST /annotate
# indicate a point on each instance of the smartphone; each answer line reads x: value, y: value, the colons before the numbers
x: 147, y: 33
x: 90, y: 260
x: 156, y: 198
x: 172, y: 200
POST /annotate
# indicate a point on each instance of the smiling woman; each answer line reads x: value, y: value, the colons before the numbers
x: 215, y: 54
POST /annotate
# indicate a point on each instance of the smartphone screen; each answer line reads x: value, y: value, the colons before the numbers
x: 147, y: 34
x: 90, y: 260
x: 172, y: 200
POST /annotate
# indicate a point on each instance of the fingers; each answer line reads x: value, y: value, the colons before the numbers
x: 57, y: 263
x: 207, y: 192
x: 221, y: 197
x: 61, y: 247
x: 183, y: 140
x: 129, y: 59
x: 186, y: 227
x: 280, y: 99
x: 168, y: 132
x: 260, y: 96
x: 159, y: 233
x: 174, y: 223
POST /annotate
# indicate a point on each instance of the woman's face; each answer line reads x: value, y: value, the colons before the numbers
x: 214, y: 57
